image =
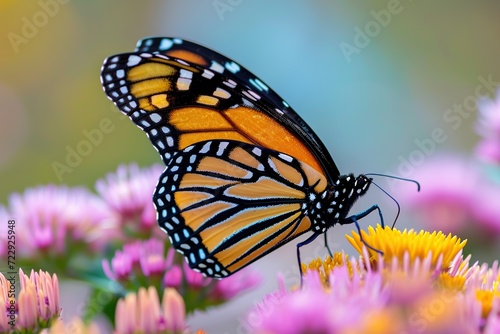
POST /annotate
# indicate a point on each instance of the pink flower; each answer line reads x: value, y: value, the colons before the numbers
x: 488, y: 150
x: 174, y: 310
x: 8, y: 304
x: 134, y: 251
x: 446, y: 199
x: 455, y: 195
x: 47, y: 291
x: 313, y: 309
x: 37, y: 303
x: 235, y: 284
x: 128, y: 193
x: 194, y: 279
x: 28, y: 307
x: 143, y: 258
x: 152, y: 258
x: 120, y: 268
x: 492, y: 324
x: 386, y: 294
x: 147, y: 262
x: 143, y: 313
x: 173, y: 277
x: 486, y: 210
x: 52, y: 219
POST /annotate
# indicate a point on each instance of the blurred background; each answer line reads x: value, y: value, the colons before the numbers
x: 378, y: 81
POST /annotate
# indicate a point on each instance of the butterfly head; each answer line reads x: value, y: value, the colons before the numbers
x: 352, y: 187
x: 344, y: 193
x: 361, y: 184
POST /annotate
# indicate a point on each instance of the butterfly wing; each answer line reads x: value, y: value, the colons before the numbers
x: 225, y: 204
x: 213, y: 98
x: 207, y: 58
x: 207, y: 124
x: 182, y: 49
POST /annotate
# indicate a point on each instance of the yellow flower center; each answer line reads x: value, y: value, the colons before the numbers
x: 324, y: 267
x: 455, y: 283
x: 486, y: 297
x: 394, y: 243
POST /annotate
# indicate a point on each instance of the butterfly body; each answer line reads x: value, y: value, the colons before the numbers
x: 244, y: 173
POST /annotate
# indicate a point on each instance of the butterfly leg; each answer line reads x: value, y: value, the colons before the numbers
x: 354, y: 220
x: 300, y: 244
x: 326, y: 245
x: 366, y: 213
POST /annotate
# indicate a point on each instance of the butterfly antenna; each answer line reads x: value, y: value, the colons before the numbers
x: 395, y: 201
x: 397, y: 178
x: 385, y: 192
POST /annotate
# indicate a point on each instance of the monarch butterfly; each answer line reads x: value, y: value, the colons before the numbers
x: 244, y: 172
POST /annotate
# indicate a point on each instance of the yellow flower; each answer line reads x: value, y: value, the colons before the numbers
x: 487, y: 283
x: 394, y: 243
x: 420, y: 283
x: 447, y: 281
x: 324, y: 267
x: 486, y: 297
